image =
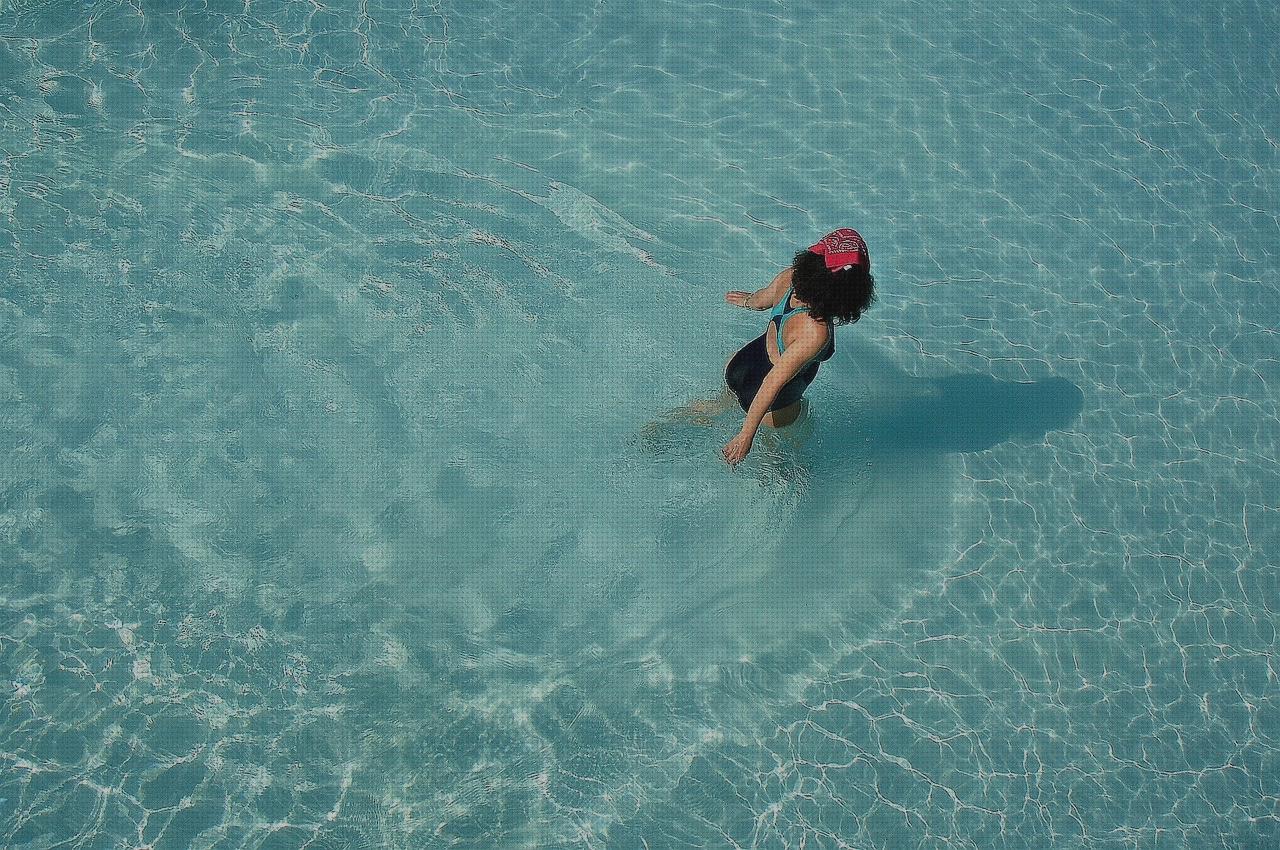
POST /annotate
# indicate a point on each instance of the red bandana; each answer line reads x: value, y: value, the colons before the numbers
x: 843, y: 248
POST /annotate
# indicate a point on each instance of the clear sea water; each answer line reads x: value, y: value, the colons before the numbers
x: 327, y: 332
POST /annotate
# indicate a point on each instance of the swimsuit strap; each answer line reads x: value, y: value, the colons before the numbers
x: 780, y: 314
x: 780, y: 309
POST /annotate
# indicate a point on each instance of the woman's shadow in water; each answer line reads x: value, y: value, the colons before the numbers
x: 884, y: 506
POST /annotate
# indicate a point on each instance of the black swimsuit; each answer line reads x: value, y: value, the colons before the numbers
x: 748, y: 368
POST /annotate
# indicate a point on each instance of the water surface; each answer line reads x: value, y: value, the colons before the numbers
x: 327, y: 332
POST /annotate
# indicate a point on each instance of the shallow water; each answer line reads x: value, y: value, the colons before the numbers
x: 327, y: 340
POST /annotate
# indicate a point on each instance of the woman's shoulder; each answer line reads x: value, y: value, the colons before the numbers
x: 802, y: 325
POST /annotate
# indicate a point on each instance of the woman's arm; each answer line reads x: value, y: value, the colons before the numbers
x: 765, y: 297
x: 798, y: 354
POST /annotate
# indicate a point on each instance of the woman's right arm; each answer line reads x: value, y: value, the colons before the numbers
x: 764, y: 298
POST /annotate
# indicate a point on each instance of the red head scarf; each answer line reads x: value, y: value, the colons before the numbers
x: 843, y: 248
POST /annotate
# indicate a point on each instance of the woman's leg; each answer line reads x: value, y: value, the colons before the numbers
x: 655, y: 434
x: 701, y: 411
x: 783, y: 416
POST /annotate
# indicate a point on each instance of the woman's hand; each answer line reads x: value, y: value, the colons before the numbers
x: 736, y: 449
x: 739, y: 299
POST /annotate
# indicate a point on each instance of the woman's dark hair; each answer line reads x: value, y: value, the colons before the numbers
x: 840, y: 295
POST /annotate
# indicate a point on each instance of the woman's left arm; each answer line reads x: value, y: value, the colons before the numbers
x: 797, y: 355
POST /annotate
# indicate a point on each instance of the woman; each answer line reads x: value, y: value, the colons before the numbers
x: 827, y: 284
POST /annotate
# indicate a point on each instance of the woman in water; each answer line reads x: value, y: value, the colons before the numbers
x: 827, y: 284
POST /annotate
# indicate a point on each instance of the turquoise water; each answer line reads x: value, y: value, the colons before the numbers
x: 327, y: 332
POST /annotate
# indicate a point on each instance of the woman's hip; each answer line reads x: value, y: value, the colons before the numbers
x: 746, y: 371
